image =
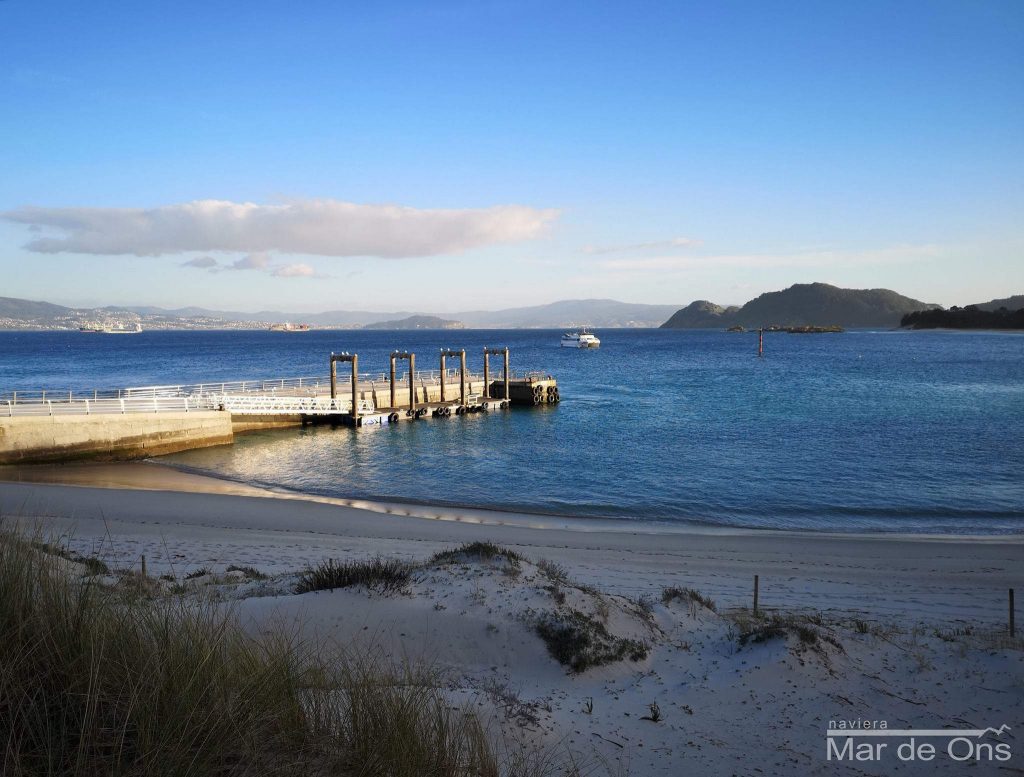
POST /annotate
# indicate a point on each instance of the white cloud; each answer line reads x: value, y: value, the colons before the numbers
x: 655, y: 245
x: 203, y: 262
x: 318, y: 227
x: 891, y: 255
x: 257, y: 261
x: 299, y: 270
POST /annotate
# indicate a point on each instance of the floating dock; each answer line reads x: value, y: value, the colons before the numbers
x: 151, y: 420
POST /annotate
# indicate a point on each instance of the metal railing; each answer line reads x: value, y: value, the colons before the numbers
x: 195, y: 396
x: 104, y: 406
x: 275, y: 405
x: 303, y: 385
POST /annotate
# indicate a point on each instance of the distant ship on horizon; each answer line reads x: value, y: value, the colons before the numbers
x: 289, y: 327
x: 111, y: 329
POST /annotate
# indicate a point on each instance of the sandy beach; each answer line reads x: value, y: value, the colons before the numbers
x: 908, y: 627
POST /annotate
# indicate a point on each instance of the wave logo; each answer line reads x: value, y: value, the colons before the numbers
x: 873, y: 744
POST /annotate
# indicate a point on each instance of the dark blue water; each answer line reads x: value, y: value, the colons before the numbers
x: 900, y: 431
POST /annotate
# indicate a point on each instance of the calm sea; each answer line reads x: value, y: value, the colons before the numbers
x: 867, y: 430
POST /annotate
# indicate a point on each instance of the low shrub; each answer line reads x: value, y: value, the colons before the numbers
x: 580, y: 642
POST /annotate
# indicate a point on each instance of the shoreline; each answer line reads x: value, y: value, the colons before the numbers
x: 156, y: 475
x: 184, y: 522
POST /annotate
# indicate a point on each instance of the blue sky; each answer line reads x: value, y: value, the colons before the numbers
x: 450, y: 155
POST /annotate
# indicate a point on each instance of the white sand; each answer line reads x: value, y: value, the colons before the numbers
x: 759, y: 709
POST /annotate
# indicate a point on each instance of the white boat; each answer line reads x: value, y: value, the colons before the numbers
x: 122, y: 329
x: 289, y: 327
x: 111, y: 329
x: 580, y: 339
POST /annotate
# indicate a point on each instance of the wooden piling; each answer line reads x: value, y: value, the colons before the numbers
x: 355, y: 389
x: 334, y: 377
x: 444, y: 355
x: 392, y: 381
x: 412, y: 383
x: 756, y: 592
x: 462, y: 377
x: 508, y: 395
x: 487, y: 373
x: 760, y: 341
x: 143, y: 565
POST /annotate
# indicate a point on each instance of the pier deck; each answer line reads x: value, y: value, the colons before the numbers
x: 138, y: 416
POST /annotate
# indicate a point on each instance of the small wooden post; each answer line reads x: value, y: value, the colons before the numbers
x: 756, y: 591
x: 143, y: 565
x: 412, y: 383
x: 487, y: 374
x: 443, y: 356
x: 760, y: 341
x: 393, y: 405
x: 1013, y: 626
x: 506, y: 375
x: 355, y: 389
x: 462, y: 377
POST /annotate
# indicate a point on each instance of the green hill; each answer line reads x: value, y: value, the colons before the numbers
x: 804, y: 304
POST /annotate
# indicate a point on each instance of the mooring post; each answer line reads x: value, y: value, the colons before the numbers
x: 412, y: 382
x: 355, y: 389
x: 760, y: 341
x: 443, y: 355
x: 334, y: 377
x: 393, y: 405
x: 487, y: 374
x: 1013, y: 626
x: 506, y: 375
x: 462, y: 377
x: 756, y: 591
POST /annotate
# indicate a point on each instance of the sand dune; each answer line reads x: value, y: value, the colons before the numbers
x: 924, y: 649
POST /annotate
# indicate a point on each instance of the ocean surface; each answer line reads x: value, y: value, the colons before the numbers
x: 862, y: 431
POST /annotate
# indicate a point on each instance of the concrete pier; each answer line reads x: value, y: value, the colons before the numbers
x: 149, y: 421
x: 37, y: 439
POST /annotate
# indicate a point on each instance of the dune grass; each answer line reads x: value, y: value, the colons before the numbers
x: 102, y: 680
x: 691, y: 595
x: 580, y: 642
x: 475, y: 550
x: 382, y: 574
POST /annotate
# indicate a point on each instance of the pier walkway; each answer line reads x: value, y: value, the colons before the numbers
x: 48, y: 425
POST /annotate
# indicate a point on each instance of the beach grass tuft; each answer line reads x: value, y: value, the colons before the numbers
x: 486, y: 551
x: 691, y: 595
x: 809, y: 628
x: 93, y: 565
x: 553, y: 571
x: 250, y: 572
x: 95, y: 680
x: 580, y: 642
x: 380, y: 574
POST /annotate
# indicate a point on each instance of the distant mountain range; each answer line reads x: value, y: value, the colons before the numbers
x: 812, y: 304
x: 1016, y: 302
x: 601, y: 313
x: 418, y: 322
x: 803, y: 304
